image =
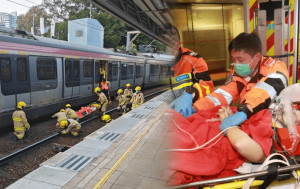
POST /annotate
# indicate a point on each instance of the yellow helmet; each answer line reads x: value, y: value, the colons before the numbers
x: 21, y: 105
x: 128, y: 85
x: 138, y: 88
x: 62, y: 110
x: 68, y: 105
x: 63, y: 124
x: 106, y: 118
x: 97, y: 89
x: 120, y: 91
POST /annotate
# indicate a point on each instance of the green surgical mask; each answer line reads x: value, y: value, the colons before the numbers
x: 242, y: 70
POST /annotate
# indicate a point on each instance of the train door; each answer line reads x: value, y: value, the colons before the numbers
x: 126, y: 74
x: 100, y: 71
x: 72, y: 78
x: 87, y: 79
x: 15, y: 81
x: 113, y: 74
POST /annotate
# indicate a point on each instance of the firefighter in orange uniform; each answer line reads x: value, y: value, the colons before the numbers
x: 105, y: 85
x: 20, y: 122
x: 255, y: 80
x: 192, y: 62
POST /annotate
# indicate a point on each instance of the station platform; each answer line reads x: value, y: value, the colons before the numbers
x: 127, y: 153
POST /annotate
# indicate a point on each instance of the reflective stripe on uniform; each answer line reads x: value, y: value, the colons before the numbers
x: 280, y: 76
x: 19, y: 128
x: 199, y: 90
x: 207, y: 89
x: 226, y: 95
x: 17, y: 119
x: 183, y: 85
x: 214, y: 100
x: 268, y: 88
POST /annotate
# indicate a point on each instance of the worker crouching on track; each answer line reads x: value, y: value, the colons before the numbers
x: 61, y: 116
x: 70, y: 125
x: 137, y: 98
x: 123, y: 101
x: 102, y: 100
x: 128, y: 92
x: 20, y: 122
x: 71, y: 114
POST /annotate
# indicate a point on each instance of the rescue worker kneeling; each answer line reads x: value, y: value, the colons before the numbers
x: 61, y: 116
x: 137, y: 98
x: 102, y: 100
x: 71, y: 114
x: 70, y: 125
x: 20, y: 122
x: 123, y: 101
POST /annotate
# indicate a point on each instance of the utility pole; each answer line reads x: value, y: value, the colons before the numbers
x: 90, y: 9
x: 128, y: 38
x: 32, y: 28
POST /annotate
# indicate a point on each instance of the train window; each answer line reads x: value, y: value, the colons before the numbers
x: 46, y: 68
x: 163, y: 71
x: 113, y: 71
x: 124, y: 71
x: 76, y: 69
x: 130, y: 71
x: 5, y: 70
x: 154, y: 70
x: 22, y: 69
x: 68, y: 69
x: 88, y: 68
x: 139, y: 70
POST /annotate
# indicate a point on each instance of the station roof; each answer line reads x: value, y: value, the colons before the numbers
x: 151, y: 17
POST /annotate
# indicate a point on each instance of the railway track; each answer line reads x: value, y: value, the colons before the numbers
x: 42, y: 149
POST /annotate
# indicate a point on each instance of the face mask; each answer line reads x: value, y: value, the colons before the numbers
x: 242, y: 70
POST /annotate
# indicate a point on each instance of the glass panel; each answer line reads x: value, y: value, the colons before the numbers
x: 130, y: 71
x: 5, y: 70
x: 76, y: 69
x: 46, y: 68
x: 113, y: 71
x: 88, y: 68
x: 22, y: 69
x: 124, y: 71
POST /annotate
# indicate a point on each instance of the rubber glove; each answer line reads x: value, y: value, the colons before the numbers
x: 233, y: 120
x: 183, y: 104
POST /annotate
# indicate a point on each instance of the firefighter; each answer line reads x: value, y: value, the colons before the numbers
x: 123, y: 101
x: 71, y: 114
x: 105, y: 85
x: 70, y: 126
x: 61, y: 116
x: 102, y: 100
x: 254, y: 79
x: 137, y: 98
x: 128, y: 91
x: 20, y: 122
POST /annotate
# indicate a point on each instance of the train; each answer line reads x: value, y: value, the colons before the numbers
x: 47, y: 73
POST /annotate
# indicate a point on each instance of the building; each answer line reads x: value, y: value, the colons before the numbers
x: 8, y: 20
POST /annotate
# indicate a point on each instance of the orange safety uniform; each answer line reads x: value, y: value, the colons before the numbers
x: 258, y: 91
x: 191, y: 62
x: 104, y: 85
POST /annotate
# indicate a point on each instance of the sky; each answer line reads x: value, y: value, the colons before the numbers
x: 21, y: 6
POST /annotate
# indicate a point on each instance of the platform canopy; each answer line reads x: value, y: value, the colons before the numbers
x: 149, y: 16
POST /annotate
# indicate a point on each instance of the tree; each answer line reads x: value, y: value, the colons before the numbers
x: 25, y: 21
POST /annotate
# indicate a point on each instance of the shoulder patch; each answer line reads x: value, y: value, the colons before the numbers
x: 229, y: 79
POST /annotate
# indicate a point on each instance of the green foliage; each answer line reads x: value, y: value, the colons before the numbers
x: 61, y: 30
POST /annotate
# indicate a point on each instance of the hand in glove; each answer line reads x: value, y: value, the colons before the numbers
x: 63, y: 132
x: 233, y: 120
x: 183, y: 104
x: 27, y: 127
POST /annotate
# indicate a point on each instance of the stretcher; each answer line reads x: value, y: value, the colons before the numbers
x: 286, y: 142
x: 86, y: 110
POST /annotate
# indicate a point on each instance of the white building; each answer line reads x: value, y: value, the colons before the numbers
x: 8, y: 20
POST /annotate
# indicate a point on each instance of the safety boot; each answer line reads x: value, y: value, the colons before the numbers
x: 13, y: 137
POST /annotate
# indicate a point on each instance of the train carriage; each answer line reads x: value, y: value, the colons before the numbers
x: 46, y: 73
